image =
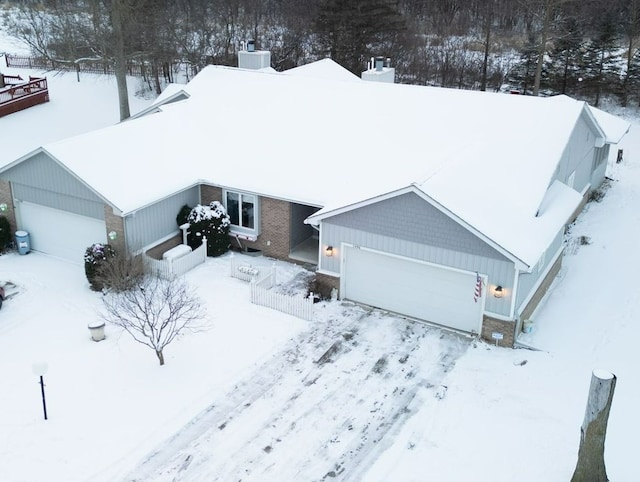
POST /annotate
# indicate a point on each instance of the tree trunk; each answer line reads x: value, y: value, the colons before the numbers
x: 120, y: 67
x: 160, y: 357
x: 543, y: 46
x: 590, y: 466
x: 487, y: 47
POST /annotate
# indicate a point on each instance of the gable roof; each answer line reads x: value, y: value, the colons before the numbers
x: 487, y: 158
x: 324, y: 69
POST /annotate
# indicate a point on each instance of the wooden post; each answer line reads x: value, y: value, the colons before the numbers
x: 590, y: 466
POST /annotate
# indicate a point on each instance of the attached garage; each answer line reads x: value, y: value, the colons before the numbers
x: 59, y: 233
x: 426, y: 291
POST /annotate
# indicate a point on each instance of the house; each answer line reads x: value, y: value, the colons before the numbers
x: 445, y: 205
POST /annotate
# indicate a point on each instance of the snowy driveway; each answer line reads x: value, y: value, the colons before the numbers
x: 324, y: 407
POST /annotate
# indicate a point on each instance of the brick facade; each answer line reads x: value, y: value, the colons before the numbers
x: 157, y: 251
x: 493, y: 325
x: 325, y: 283
x: 542, y: 290
x: 6, y: 197
x: 510, y: 329
x: 275, y: 219
x: 115, y: 223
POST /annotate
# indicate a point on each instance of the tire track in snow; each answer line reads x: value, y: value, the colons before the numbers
x: 319, y: 410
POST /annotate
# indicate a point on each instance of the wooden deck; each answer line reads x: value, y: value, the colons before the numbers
x: 17, y: 94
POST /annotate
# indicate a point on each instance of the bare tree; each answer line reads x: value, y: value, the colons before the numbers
x: 121, y: 272
x: 155, y: 311
x: 590, y: 466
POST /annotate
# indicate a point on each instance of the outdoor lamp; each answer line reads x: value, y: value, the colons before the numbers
x: 3, y: 207
x: 498, y: 292
x: 329, y: 251
x: 113, y: 235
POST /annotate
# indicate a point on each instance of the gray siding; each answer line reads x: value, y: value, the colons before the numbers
x: 42, y: 172
x: 409, y: 226
x: 578, y: 156
x: 528, y: 281
x: 410, y: 218
x: 600, y: 159
x: 56, y: 200
x: 299, y: 230
x: 151, y: 224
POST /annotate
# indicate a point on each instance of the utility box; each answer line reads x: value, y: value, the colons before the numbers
x: 22, y: 242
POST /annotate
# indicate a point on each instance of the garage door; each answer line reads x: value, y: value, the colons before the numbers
x: 60, y: 233
x: 413, y: 288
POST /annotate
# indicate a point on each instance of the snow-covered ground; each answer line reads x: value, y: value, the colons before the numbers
x: 352, y: 395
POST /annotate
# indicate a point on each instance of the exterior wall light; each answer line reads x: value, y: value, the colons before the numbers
x: 113, y: 235
x: 329, y: 251
x: 3, y: 207
x: 498, y: 291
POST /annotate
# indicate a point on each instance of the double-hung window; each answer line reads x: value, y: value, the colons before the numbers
x: 243, y: 211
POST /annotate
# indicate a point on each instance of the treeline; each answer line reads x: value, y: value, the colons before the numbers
x: 585, y: 48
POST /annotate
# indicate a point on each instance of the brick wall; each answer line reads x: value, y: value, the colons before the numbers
x: 275, y: 219
x: 542, y: 289
x: 114, y: 223
x: 210, y: 193
x: 507, y: 328
x: 6, y: 197
x: 157, y: 251
x: 325, y: 283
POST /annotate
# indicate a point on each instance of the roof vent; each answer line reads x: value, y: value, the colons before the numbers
x: 379, y: 64
x: 251, y: 45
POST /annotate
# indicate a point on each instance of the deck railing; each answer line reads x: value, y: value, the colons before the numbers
x: 15, y: 97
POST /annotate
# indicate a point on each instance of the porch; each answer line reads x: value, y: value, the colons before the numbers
x: 306, y: 251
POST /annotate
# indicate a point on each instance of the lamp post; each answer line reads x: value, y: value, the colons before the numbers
x: 39, y: 369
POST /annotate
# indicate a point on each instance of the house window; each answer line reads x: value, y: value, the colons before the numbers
x: 242, y: 209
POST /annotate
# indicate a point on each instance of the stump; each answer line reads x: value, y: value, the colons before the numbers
x: 590, y: 466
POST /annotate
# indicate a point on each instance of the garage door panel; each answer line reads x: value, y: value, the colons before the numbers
x: 412, y: 288
x: 60, y: 233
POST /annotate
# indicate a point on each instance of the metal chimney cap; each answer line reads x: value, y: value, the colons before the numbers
x: 251, y: 45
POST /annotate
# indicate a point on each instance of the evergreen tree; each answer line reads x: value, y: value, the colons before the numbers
x: 601, y: 59
x: 351, y: 31
x: 565, y: 56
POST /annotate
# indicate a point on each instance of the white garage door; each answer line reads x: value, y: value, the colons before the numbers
x: 413, y: 288
x: 60, y: 233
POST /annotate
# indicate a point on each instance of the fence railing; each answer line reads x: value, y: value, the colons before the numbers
x: 169, y: 268
x: 261, y: 281
x: 96, y: 66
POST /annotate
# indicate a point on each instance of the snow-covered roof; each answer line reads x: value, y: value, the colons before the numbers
x: 487, y: 158
x: 323, y: 69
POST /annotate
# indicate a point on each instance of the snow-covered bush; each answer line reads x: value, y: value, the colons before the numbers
x: 94, y: 257
x: 213, y: 222
x: 183, y: 215
x: 5, y: 233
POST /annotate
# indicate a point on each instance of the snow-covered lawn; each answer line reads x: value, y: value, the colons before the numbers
x: 352, y: 395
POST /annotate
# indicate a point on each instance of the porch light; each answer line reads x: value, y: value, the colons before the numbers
x: 113, y: 235
x: 498, y: 291
x: 3, y: 207
x: 329, y: 251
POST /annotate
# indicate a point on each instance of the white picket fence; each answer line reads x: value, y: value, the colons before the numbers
x: 172, y: 267
x: 263, y: 295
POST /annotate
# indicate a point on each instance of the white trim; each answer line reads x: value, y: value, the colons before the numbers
x: 249, y: 234
x: 514, y: 293
x: 328, y: 273
x: 498, y: 316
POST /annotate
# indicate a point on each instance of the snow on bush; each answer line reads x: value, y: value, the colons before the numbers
x: 94, y: 257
